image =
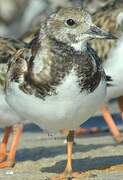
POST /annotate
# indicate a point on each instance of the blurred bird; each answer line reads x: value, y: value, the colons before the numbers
x: 16, y: 15
x: 110, y: 18
x: 55, y: 81
x: 93, y: 5
x: 9, y: 120
x: 11, y: 12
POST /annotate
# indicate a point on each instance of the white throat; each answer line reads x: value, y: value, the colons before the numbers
x: 80, y: 46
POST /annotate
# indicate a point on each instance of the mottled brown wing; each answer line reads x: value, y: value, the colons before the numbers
x: 8, y: 47
x: 107, y: 19
x: 17, y: 67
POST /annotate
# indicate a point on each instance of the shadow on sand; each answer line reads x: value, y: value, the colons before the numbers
x: 86, y: 164
x: 37, y: 153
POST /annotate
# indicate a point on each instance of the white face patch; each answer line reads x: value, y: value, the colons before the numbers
x: 80, y: 46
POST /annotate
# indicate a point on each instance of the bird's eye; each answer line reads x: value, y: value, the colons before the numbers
x: 70, y: 22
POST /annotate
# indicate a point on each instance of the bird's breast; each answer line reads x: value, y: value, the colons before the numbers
x: 66, y: 109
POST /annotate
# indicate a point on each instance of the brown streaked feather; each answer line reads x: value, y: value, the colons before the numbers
x: 106, y: 18
x: 7, y: 48
x: 17, y: 66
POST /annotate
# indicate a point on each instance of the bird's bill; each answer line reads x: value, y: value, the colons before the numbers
x: 96, y: 32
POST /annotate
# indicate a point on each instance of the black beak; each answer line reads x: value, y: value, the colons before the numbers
x: 96, y: 32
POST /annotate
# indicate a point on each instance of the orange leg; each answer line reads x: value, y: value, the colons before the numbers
x: 3, y: 145
x: 10, y: 161
x: 118, y: 136
x: 120, y: 103
x: 112, y: 126
x: 69, y: 173
x: 80, y: 131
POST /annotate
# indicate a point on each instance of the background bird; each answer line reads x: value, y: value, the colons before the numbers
x: 16, y: 16
x: 93, y: 5
x: 110, y: 18
x: 9, y: 120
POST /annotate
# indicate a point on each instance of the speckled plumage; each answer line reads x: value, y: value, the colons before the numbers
x: 7, y: 48
x: 63, y: 60
x: 107, y: 19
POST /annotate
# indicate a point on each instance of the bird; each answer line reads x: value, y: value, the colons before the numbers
x: 55, y: 82
x: 11, y: 13
x: 32, y: 32
x: 9, y: 120
x: 110, y: 18
x: 93, y: 5
x: 16, y: 16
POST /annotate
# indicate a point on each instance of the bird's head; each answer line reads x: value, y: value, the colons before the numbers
x: 73, y: 26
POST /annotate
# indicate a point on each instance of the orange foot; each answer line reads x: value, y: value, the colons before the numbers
x: 67, y: 175
x: 80, y: 131
x: 3, y: 157
x: 119, y: 138
x: 7, y: 164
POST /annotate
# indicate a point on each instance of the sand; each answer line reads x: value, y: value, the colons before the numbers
x: 40, y: 157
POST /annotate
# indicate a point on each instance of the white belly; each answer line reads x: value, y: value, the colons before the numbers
x: 68, y: 109
x: 7, y: 116
x: 114, y: 68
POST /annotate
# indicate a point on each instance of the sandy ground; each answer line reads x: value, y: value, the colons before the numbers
x: 40, y: 157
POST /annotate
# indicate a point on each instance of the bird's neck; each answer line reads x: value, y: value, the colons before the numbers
x: 70, y: 48
x: 43, y: 40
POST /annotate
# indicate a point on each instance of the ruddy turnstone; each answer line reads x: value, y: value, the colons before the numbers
x: 28, y: 36
x: 57, y: 79
x: 9, y: 120
x: 110, y: 18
